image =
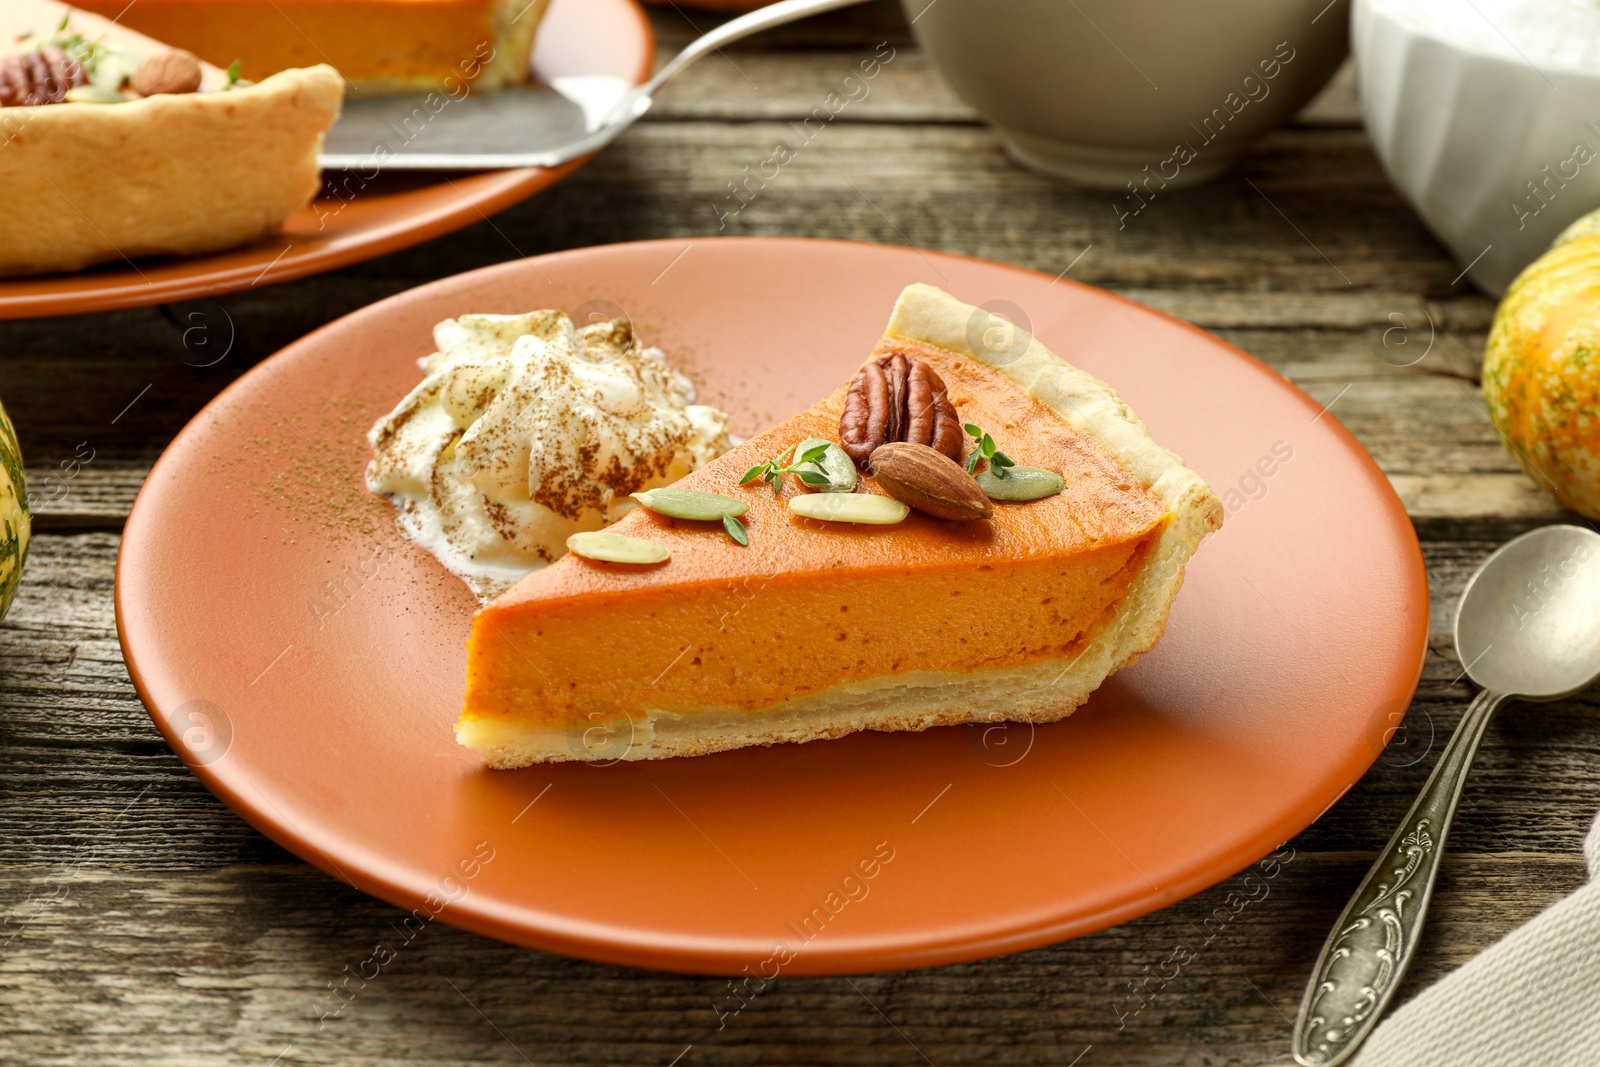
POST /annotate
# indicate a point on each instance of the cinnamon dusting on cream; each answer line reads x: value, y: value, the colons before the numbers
x: 527, y: 430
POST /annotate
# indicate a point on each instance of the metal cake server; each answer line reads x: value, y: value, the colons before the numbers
x: 1528, y: 628
x: 533, y: 126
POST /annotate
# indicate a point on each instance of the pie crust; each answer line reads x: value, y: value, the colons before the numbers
x: 174, y: 174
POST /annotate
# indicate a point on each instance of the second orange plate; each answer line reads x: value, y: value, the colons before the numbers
x: 361, y: 216
x: 309, y: 663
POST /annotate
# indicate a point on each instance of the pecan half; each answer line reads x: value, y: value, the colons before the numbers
x: 897, y: 397
x: 37, y: 77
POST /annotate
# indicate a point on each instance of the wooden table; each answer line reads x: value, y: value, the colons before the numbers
x: 146, y: 923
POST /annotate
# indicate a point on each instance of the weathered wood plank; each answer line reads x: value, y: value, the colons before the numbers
x: 105, y: 965
x: 882, y: 81
x: 951, y: 187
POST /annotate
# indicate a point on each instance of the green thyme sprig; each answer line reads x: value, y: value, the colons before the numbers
x: 804, y: 467
x: 233, y: 74
x: 106, y: 65
x: 983, y: 448
x: 736, y: 530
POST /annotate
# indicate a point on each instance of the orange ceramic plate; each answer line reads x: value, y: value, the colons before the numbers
x: 370, y: 215
x: 309, y: 663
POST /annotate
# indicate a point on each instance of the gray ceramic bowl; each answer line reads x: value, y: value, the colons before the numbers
x: 1161, y: 93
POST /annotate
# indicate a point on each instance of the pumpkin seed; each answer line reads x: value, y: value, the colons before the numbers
x: 615, y: 548
x: 691, y: 504
x: 1020, y: 483
x: 835, y: 465
x: 866, y: 508
x: 94, y: 94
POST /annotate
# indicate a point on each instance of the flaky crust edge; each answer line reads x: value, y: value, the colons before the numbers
x: 1038, y: 693
x: 932, y: 316
x: 168, y: 175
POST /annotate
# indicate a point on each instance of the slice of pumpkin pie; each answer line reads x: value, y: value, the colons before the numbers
x: 883, y: 586
x: 114, y: 146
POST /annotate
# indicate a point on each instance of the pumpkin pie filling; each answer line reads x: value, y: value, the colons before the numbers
x: 380, y: 46
x: 864, y: 625
x: 814, y: 613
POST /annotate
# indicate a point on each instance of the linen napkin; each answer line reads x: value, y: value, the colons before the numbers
x: 1530, y: 999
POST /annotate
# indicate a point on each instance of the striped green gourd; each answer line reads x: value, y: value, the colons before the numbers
x: 15, y: 522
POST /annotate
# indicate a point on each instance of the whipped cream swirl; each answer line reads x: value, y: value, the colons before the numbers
x: 527, y: 430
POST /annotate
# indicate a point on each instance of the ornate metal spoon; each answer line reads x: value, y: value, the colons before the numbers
x: 536, y: 126
x: 1528, y: 629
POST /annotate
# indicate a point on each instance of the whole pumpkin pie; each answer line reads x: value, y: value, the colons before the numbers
x: 382, y: 47
x: 816, y: 628
x: 115, y: 146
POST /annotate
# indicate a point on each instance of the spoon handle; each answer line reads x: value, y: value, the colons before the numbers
x: 1372, y: 944
x: 637, y: 101
x: 763, y: 18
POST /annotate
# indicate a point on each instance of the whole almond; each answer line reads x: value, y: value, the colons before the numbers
x: 171, y: 71
x: 929, y: 481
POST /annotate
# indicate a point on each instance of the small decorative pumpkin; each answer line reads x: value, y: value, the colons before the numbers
x: 15, y: 522
x: 1541, y: 368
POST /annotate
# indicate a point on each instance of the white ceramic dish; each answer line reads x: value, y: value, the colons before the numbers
x: 1484, y: 114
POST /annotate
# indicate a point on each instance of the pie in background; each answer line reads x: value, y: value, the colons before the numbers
x: 115, y: 146
x: 383, y: 47
x: 817, y: 629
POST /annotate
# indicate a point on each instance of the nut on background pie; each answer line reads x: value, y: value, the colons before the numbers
x: 817, y: 630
